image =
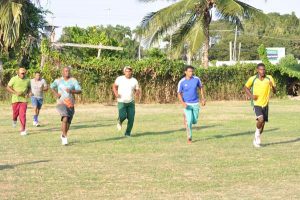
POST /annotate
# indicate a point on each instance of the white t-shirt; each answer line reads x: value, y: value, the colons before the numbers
x: 126, y: 88
x: 37, y: 87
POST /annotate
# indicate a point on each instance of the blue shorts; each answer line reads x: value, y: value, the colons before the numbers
x: 37, y: 102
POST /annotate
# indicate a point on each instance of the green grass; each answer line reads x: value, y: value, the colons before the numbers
x: 157, y: 162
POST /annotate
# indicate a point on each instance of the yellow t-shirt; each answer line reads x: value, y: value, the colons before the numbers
x: 261, y: 89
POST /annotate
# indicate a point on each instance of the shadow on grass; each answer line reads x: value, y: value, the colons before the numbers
x: 3, y: 167
x: 282, y: 142
x: 172, y: 131
x: 72, y: 127
x: 233, y: 135
x: 142, y: 135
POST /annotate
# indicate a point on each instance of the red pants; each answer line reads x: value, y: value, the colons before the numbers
x: 19, y: 110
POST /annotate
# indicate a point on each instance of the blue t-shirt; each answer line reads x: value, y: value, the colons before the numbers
x: 189, y: 89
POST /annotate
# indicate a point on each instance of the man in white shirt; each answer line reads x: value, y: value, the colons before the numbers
x: 124, y: 88
x: 38, y: 86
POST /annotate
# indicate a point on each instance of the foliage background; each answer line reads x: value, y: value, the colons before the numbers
x: 159, y: 78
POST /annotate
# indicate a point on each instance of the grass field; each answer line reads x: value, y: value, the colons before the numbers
x: 157, y: 162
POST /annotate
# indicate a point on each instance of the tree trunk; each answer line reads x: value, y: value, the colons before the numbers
x: 43, y: 60
x: 207, y: 19
x: 205, y: 60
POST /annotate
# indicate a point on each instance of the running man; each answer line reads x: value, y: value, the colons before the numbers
x: 64, y: 89
x: 124, y: 88
x: 188, y: 96
x: 19, y: 86
x: 258, y: 89
x: 38, y: 86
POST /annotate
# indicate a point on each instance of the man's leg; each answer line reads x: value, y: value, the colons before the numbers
x: 35, y: 115
x: 34, y: 105
x: 122, y: 112
x: 188, y: 112
x: 130, y: 109
x: 15, y: 109
x: 195, y: 114
x: 65, y: 126
x: 38, y: 108
x: 259, y: 128
x: 265, y: 117
x: 22, y: 115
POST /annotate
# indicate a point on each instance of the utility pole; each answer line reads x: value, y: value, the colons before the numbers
x: 240, y: 46
x: 234, y: 44
x: 230, y: 51
x: 108, y: 15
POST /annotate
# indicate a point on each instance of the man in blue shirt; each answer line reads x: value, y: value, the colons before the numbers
x: 188, y: 96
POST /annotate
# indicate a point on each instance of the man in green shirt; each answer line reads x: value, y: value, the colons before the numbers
x: 19, y: 86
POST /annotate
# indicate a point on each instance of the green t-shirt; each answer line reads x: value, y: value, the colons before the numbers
x: 19, y: 85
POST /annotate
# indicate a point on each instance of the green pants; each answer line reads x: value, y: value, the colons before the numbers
x: 127, y: 111
x: 191, y: 116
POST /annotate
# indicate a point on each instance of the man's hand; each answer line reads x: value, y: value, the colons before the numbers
x: 68, y: 90
x: 203, y: 102
x: 19, y: 93
x: 28, y: 95
x: 254, y: 97
x: 57, y: 95
x: 184, y: 105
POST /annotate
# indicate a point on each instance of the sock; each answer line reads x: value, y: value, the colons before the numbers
x: 35, y: 118
x: 257, y: 132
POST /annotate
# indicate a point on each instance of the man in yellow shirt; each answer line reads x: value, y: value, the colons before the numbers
x: 258, y: 89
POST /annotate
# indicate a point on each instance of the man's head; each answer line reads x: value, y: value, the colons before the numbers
x: 66, y: 72
x: 189, y: 71
x: 37, y: 75
x: 21, y: 72
x: 261, y: 69
x: 127, y: 71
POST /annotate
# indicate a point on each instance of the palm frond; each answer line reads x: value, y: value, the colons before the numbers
x: 190, y: 34
x: 235, y: 11
x: 167, y: 18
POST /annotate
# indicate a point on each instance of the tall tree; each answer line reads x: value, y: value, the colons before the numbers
x: 190, y: 21
x: 18, y: 17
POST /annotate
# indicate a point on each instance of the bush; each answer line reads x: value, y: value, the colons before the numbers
x: 159, y: 78
x: 290, y: 62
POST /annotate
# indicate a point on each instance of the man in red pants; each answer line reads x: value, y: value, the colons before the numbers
x: 19, y: 86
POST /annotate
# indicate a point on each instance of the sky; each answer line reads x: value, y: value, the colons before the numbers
x: 131, y: 12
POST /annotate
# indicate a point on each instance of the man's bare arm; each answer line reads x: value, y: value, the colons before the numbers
x: 181, y: 100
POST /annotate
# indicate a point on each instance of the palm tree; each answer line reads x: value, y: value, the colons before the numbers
x: 13, y: 14
x: 138, y: 37
x: 189, y: 21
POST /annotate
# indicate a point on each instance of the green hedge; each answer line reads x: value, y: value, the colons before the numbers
x: 158, y: 79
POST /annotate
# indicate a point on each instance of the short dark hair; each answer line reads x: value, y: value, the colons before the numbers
x: 38, y: 72
x: 188, y: 67
x: 260, y: 65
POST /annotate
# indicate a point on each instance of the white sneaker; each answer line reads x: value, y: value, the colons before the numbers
x: 23, y: 133
x: 14, y: 124
x: 255, y: 144
x: 119, y: 126
x: 64, y: 140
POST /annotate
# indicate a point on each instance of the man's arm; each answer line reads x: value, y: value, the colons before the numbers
x: 55, y: 93
x: 53, y: 87
x: 203, y: 100
x: 249, y: 94
x: 273, y: 87
x: 11, y: 90
x: 45, y: 86
x: 115, y: 90
x: 181, y: 99
x: 74, y: 91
